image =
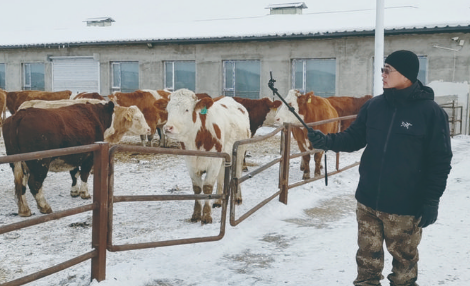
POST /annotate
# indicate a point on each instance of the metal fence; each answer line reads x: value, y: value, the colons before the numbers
x: 104, y: 199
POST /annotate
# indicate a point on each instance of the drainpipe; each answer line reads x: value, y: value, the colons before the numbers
x: 379, y: 47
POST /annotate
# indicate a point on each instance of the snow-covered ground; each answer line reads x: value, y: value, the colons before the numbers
x: 309, y: 241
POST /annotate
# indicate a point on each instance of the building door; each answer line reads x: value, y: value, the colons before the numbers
x: 78, y: 74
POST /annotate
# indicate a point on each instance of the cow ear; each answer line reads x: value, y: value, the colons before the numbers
x: 129, y: 114
x: 276, y: 104
x: 203, y: 105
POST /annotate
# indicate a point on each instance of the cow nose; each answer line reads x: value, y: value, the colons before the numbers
x: 168, y: 129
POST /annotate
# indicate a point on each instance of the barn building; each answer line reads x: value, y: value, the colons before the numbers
x: 329, y: 52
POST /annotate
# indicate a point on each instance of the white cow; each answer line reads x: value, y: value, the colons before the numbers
x: 207, y: 125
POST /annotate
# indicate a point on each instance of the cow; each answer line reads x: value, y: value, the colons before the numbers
x: 3, y: 102
x: 261, y: 111
x: 347, y: 105
x: 93, y: 95
x: 207, y: 125
x: 16, y: 98
x: 69, y: 126
x: 310, y: 108
x: 147, y: 102
x: 129, y: 120
x: 57, y: 103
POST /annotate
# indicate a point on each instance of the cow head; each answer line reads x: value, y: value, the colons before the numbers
x: 126, y: 120
x: 273, y: 108
x: 183, y: 109
x: 284, y: 114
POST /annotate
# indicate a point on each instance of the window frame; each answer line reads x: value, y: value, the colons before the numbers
x: 173, y: 70
x: 3, y: 70
x: 232, y: 89
x: 118, y: 64
x: 27, y: 75
x: 304, y: 62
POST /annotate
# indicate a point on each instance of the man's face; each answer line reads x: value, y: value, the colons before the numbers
x: 394, y: 79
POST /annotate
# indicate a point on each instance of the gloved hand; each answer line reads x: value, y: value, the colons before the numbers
x: 428, y: 214
x: 317, y: 138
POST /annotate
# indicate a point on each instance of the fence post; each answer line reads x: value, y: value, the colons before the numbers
x: 284, y: 166
x: 100, y: 214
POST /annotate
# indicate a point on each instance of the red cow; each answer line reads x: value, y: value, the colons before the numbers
x: 3, y: 102
x: 16, y: 98
x: 347, y: 105
x: 261, y: 111
x: 74, y: 125
x: 310, y: 108
x: 92, y: 95
x: 150, y: 106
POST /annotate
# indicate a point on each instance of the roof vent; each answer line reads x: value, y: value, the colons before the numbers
x: 99, y: 22
x: 286, y: 8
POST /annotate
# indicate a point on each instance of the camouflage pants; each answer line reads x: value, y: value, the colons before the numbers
x: 401, y: 235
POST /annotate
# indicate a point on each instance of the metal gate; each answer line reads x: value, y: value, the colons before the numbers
x: 104, y: 199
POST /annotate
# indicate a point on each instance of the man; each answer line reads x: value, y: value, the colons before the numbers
x: 403, y: 169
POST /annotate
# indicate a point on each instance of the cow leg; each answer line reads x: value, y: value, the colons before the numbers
x: 220, y: 187
x: 38, y: 173
x: 142, y: 138
x: 74, y: 192
x: 150, y: 138
x: 240, y: 164
x: 318, y: 163
x: 161, y: 143
x: 207, y: 211
x: 305, y: 166
x: 245, y: 167
x: 85, y: 169
x: 197, y: 205
x: 21, y: 177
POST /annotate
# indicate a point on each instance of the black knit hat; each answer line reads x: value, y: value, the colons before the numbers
x: 405, y: 62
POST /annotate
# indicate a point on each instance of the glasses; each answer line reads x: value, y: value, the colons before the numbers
x: 387, y: 70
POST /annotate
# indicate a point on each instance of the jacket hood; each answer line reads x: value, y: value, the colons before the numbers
x: 416, y: 91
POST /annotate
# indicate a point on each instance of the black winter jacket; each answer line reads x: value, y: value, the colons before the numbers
x: 407, y: 153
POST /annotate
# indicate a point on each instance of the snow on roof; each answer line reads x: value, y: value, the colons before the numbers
x: 315, y: 24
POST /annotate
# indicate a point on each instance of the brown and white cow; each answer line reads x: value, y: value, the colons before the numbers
x: 347, y: 105
x: 310, y: 108
x: 150, y: 106
x: 16, y: 98
x: 207, y: 125
x: 92, y: 95
x: 68, y: 126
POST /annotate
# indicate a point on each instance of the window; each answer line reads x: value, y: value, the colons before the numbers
x: 423, y: 69
x: 33, y: 76
x: 317, y: 75
x: 125, y: 76
x: 2, y: 76
x: 180, y: 74
x: 242, y: 78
